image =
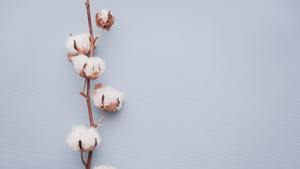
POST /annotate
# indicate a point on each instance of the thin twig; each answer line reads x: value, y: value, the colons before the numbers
x: 99, y: 123
x: 98, y: 35
x: 82, y: 92
x: 82, y: 160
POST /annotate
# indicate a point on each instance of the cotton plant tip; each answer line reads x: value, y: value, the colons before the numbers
x: 79, y: 62
x: 94, y: 67
x: 106, y: 166
x: 82, y: 139
x: 104, y: 19
x: 107, y: 98
x: 79, y: 44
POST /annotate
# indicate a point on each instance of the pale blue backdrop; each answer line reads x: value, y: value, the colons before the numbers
x: 208, y: 84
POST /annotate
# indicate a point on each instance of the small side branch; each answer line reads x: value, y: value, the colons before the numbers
x: 82, y: 160
x: 98, y: 35
x: 82, y: 92
x: 99, y: 123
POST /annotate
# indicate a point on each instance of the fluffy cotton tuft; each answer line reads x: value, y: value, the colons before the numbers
x: 106, y: 166
x: 95, y: 67
x: 82, y: 139
x: 104, y: 15
x: 107, y: 98
x: 79, y: 62
x: 79, y: 44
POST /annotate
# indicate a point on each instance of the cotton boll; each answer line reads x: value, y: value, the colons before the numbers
x: 79, y: 44
x: 108, y: 99
x: 95, y: 67
x: 87, y: 140
x: 106, y: 166
x: 79, y: 62
x: 104, y: 19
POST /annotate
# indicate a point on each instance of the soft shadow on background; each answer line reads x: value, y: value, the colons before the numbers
x: 208, y: 84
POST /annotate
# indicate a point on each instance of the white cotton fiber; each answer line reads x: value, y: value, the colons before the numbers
x: 78, y: 62
x: 106, y: 166
x: 95, y: 67
x: 94, y: 131
x: 88, y: 140
x: 104, y: 15
x: 72, y: 141
x: 82, y: 42
x: 110, y: 96
x: 87, y: 137
x: 121, y: 99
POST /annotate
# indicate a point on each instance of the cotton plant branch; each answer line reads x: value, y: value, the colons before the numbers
x: 104, y: 97
x: 87, y: 4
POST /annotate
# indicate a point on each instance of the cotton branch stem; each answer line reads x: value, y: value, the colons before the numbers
x: 88, y: 166
x: 91, y: 121
x: 99, y: 123
x: 89, y: 104
x: 87, y: 4
x: 82, y: 160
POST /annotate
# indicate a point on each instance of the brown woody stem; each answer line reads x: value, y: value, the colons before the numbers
x: 92, y: 48
x: 89, y: 161
x: 91, y: 121
x: 90, y: 27
x: 82, y: 160
x: 88, y: 166
x: 82, y: 92
x: 89, y: 104
x: 99, y: 123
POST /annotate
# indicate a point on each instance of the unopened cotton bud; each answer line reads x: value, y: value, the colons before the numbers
x: 104, y: 19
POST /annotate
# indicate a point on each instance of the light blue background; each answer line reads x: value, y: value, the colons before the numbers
x: 208, y: 84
